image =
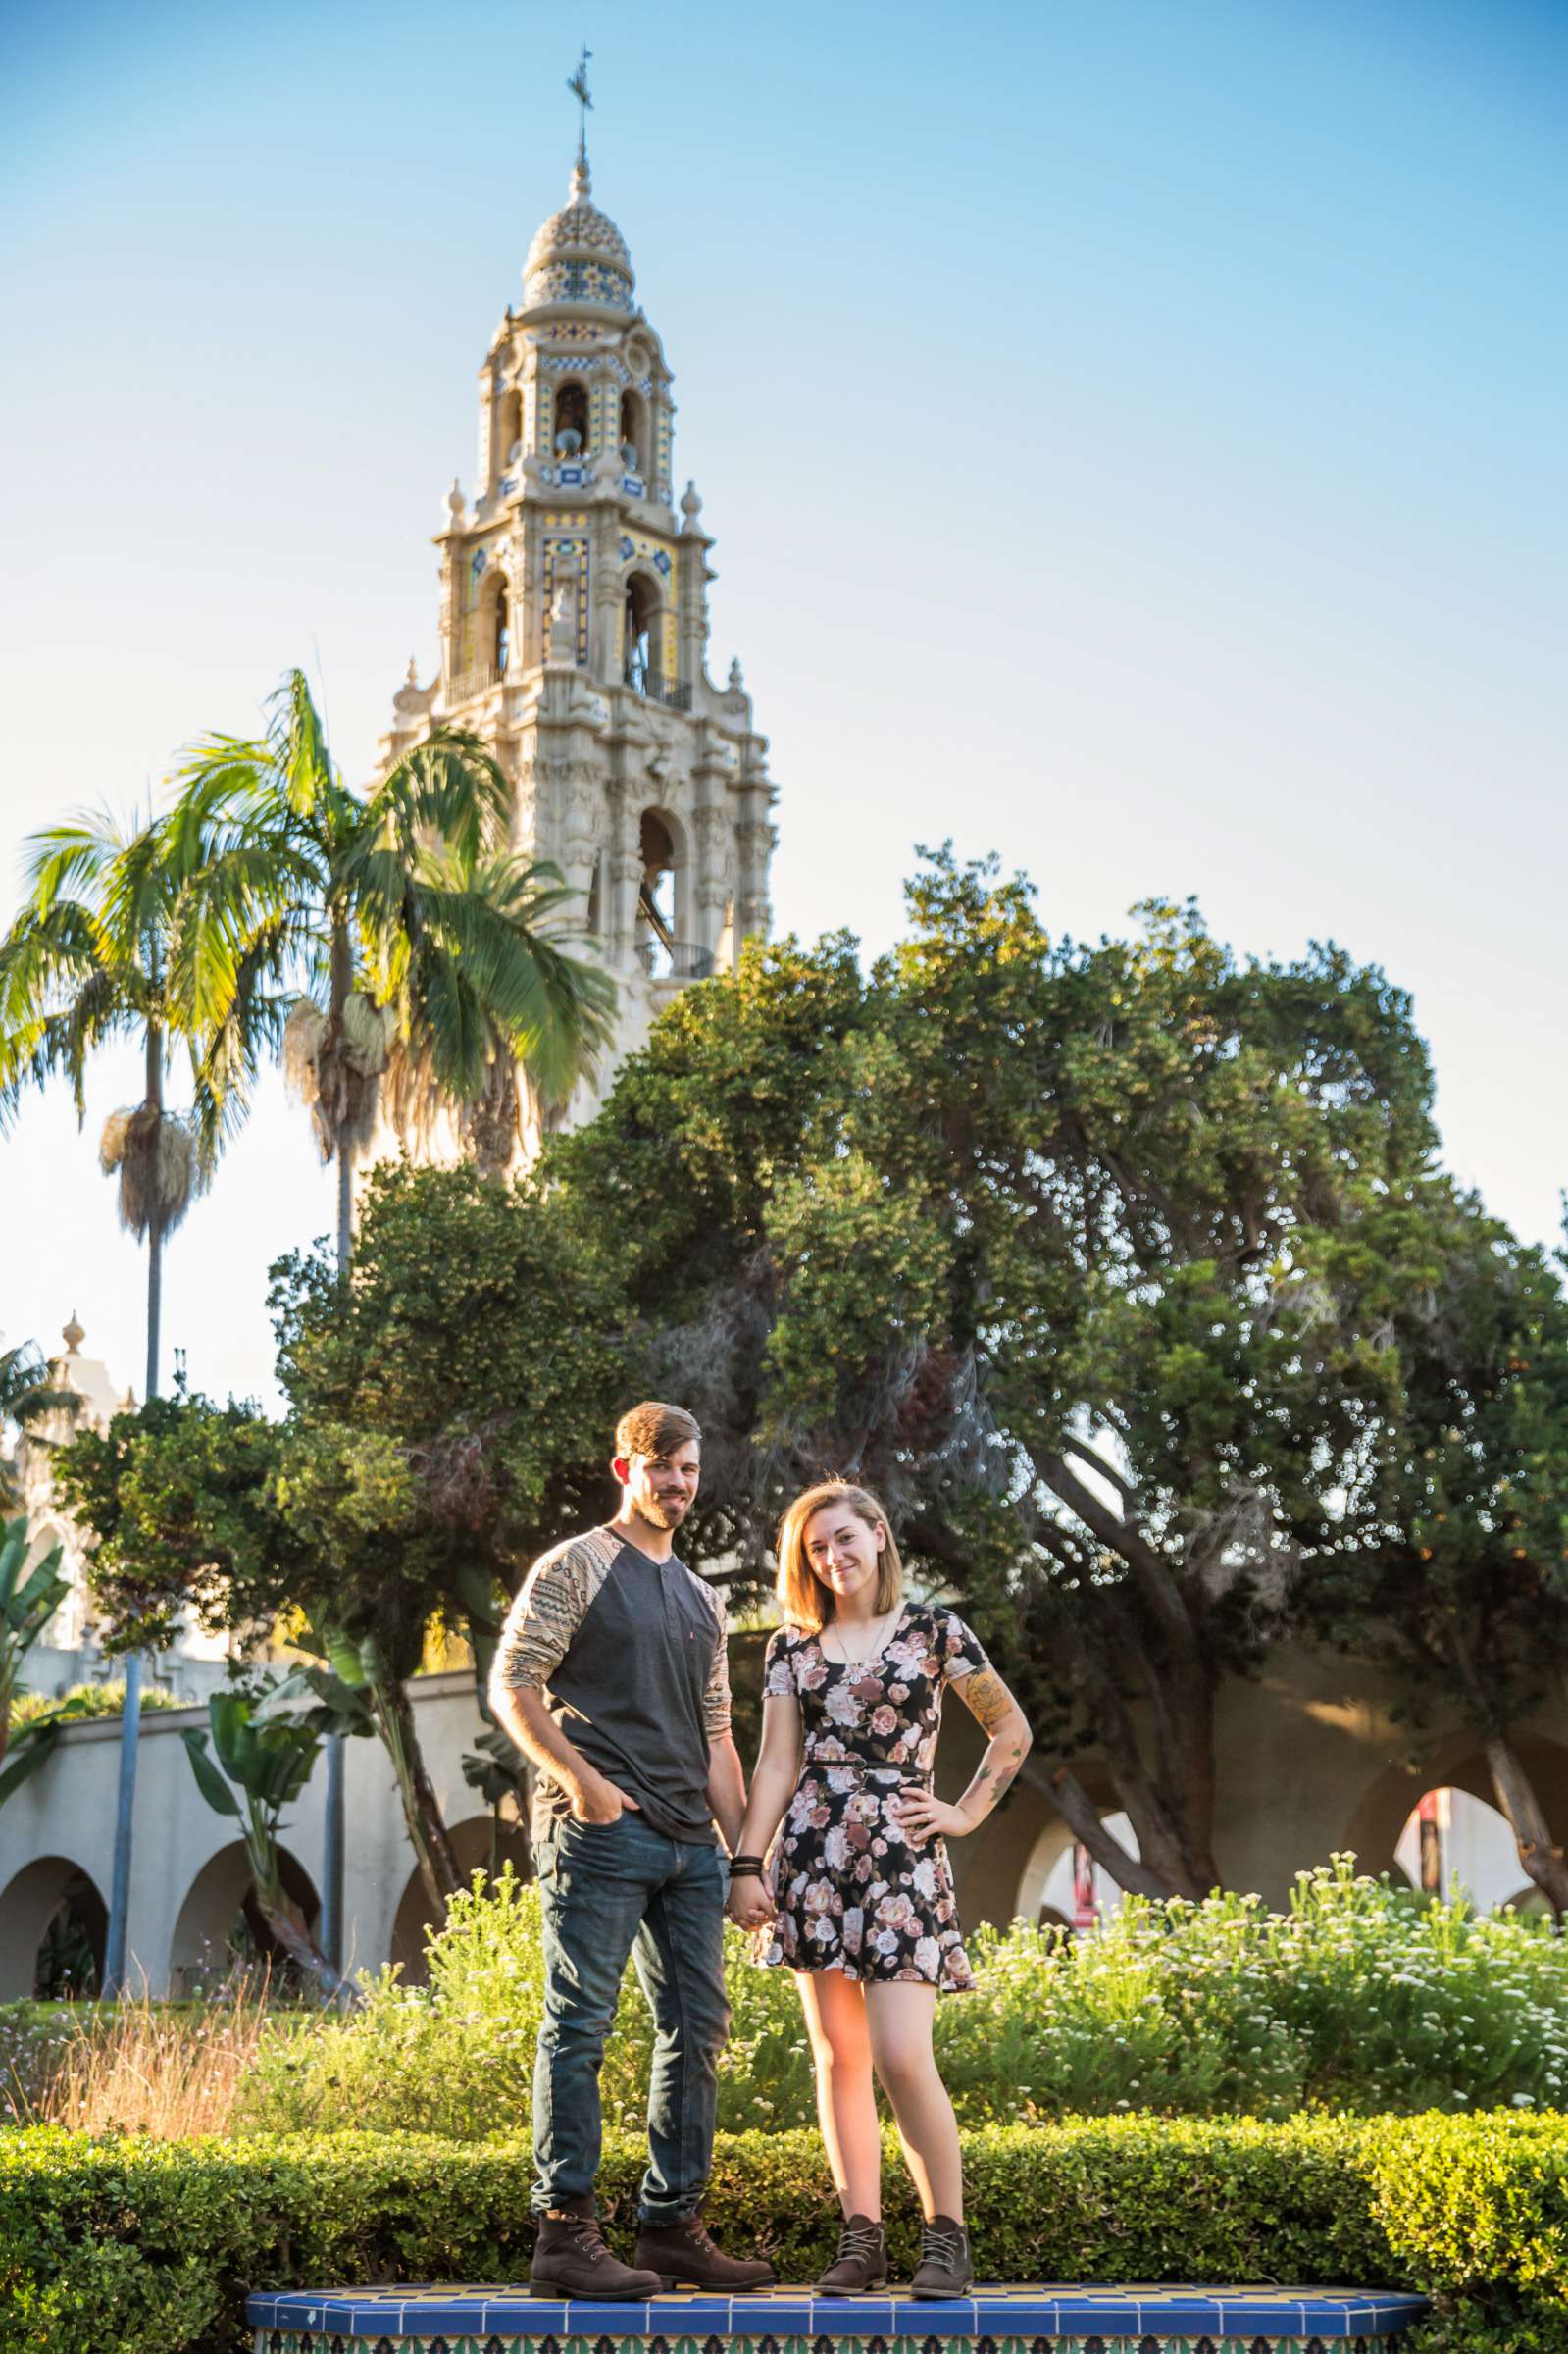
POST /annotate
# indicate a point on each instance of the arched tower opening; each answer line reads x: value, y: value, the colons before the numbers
x: 664, y: 941
x: 636, y: 448
x: 509, y: 441
x: 571, y: 420
x: 643, y: 633
x: 496, y: 623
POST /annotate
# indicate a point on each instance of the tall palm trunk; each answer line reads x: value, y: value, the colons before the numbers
x: 332, y: 1830
x: 130, y: 1721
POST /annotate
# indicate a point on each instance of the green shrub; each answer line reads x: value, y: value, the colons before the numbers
x: 91, y: 1700
x: 140, y: 2247
x: 1361, y: 1996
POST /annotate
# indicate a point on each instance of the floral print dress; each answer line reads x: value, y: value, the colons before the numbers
x: 852, y: 1892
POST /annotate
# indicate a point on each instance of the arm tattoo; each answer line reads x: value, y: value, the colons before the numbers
x: 986, y: 1698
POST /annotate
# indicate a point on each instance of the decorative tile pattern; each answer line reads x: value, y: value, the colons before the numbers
x: 577, y: 281
x: 1038, y: 2319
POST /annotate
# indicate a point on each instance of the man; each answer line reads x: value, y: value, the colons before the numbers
x: 612, y: 1676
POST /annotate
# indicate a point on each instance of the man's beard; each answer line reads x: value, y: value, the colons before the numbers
x: 661, y: 1514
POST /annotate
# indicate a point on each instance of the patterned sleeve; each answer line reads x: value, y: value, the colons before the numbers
x: 962, y: 1650
x: 548, y: 1609
x: 716, y: 1699
x: 778, y: 1677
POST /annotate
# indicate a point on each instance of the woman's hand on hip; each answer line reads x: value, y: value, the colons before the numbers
x: 922, y: 1815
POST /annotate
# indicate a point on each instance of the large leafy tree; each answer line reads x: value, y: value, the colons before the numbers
x: 1459, y: 1585
x: 1062, y: 1245
x: 449, y: 1412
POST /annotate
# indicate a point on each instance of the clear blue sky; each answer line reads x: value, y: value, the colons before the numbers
x: 1133, y: 435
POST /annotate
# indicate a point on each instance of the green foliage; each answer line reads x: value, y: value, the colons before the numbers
x: 28, y: 1600
x: 1058, y: 1245
x: 1361, y: 1996
x: 90, y: 1701
x: 1469, y: 2211
x: 479, y: 1340
x: 1459, y: 1588
x: 407, y: 898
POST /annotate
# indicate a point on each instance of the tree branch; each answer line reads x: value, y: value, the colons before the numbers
x: 1076, y: 1810
x: 1150, y: 1571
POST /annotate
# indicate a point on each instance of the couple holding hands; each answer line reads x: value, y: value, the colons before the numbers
x: 612, y: 1677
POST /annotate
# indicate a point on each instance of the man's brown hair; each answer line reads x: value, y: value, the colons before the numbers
x: 653, y: 1428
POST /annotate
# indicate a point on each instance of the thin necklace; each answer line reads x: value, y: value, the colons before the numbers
x: 859, y: 1658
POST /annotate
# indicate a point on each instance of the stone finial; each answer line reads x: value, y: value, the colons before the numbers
x: 737, y: 684
x: 690, y: 507
x: 73, y: 1335
x: 454, y: 503
x: 412, y: 669
x: 127, y: 1404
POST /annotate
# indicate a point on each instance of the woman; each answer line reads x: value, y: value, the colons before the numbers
x: 861, y: 1906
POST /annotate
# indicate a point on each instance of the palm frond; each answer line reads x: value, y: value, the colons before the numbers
x: 299, y: 742
x: 62, y: 861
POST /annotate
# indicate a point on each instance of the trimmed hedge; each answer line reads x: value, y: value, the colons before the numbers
x: 143, y: 2247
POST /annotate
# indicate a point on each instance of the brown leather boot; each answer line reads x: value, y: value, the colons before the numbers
x: 946, y: 2267
x: 684, y: 2252
x: 569, y: 2254
x: 861, y: 2263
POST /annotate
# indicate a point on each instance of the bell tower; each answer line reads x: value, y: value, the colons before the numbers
x: 574, y: 630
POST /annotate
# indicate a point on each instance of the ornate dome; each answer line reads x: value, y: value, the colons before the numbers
x: 579, y: 255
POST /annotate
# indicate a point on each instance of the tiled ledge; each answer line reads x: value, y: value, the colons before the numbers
x: 1037, y: 2319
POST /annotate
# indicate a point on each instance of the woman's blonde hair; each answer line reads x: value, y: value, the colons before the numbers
x: 803, y: 1599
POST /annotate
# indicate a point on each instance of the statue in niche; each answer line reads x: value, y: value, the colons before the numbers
x: 565, y: 583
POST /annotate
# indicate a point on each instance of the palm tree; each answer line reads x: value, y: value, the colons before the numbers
x: 90, y: 960
x: 26, y: 1399
x: 385, y: 935
x: 386, y: 942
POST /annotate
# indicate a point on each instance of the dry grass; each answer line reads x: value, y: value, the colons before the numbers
x: 140, y: 2067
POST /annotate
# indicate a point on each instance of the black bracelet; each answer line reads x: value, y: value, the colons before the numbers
x: 745, y: 1868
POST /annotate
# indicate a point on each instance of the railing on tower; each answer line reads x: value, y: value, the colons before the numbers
x: 674, y: 959
x: 469, y: 683
x: 653, y: 687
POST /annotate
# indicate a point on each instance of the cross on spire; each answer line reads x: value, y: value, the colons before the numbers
x: 577, y: 84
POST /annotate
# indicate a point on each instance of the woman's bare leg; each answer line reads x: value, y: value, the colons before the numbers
x: 846, y: 2098
x: 898, y: 2015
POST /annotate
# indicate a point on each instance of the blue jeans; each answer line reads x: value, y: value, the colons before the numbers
x: 608, y: 1891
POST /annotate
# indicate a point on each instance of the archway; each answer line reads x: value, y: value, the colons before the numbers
x: 510, y: 448
x: 1452, y: 1835
x: 53, y: 1924
x: 1059, y: 1883
x: 220, y: 1923
x: 494, y: 639
x: 643, y: 634
x: 1376, y: 1825
x: 662, y: 937
x: 634, y: 432
x: 571, y: 421
x: 471, y: 1846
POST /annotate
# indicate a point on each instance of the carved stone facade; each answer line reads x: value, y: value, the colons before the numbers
x: 574, y: 618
